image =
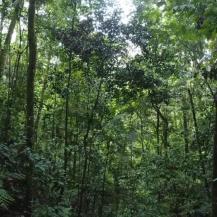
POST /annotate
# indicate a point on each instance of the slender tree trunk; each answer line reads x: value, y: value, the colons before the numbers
x: 100, y: 210
x: 3, y: 12
x: 197, y: 135
x: 30, y: 103
x: 7, y: 121
x: 12, y: 88
x: 5, y: 47
x: 165, y: 133
x: 92, y: 212
x: 185, y: 128
x: 66, y: 152
x: 38, y: 116
x: 165, y: 126
x: 214, y: 182
x: 44, y: 87
x: 85, y: 144
x: 158, y: 134
x: 141, y: 131
x: 117, y: 195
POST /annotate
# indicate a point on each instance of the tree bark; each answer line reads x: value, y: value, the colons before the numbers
x: 165, y: 126
x: 185, y: 127
x: 102, y: 194
x: 214, y: 182
x: 12, y: 94
x: 85, y: 145
x: 5, y: 47
x: 66, y: 123
x: 30, y: 103
x: 199, y: 144
x: 141, y: 131
x: 41, y: 102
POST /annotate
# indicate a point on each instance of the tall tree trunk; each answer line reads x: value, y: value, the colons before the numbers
x: 5, y: 47
x: 85, y: 145
x: 66, y: 152
x: 101, y: 205
x: 41, y: 102
x: 12, y: 88
x: 214, y: 182
x: 185, y: 127
x: 165, y: 133
x: 3, y: 13
x: 199, y: 144
x: 116, y: 194
x: 141, y: 131
x: 165, y: 126
x: 30, y: 103
x: 158, y: 133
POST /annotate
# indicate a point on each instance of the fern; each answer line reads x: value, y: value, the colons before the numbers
x: 5, y: 198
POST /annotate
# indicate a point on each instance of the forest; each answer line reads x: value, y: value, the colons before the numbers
x: 106, y: 113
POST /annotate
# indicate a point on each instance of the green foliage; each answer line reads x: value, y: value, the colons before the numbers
x: 57, y: 211
x: 5, y: 199
x: 124, y: 115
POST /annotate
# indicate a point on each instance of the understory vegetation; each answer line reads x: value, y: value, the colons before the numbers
x: 105, y: 118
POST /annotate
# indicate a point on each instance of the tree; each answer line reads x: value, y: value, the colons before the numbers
x: 118, y: 120
x: 6, y: 46
x: 30, y: 131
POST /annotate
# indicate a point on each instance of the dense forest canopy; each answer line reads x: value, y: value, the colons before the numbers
x: 105, y: 113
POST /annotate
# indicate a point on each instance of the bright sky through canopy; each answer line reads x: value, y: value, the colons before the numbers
x: 127, y: 7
